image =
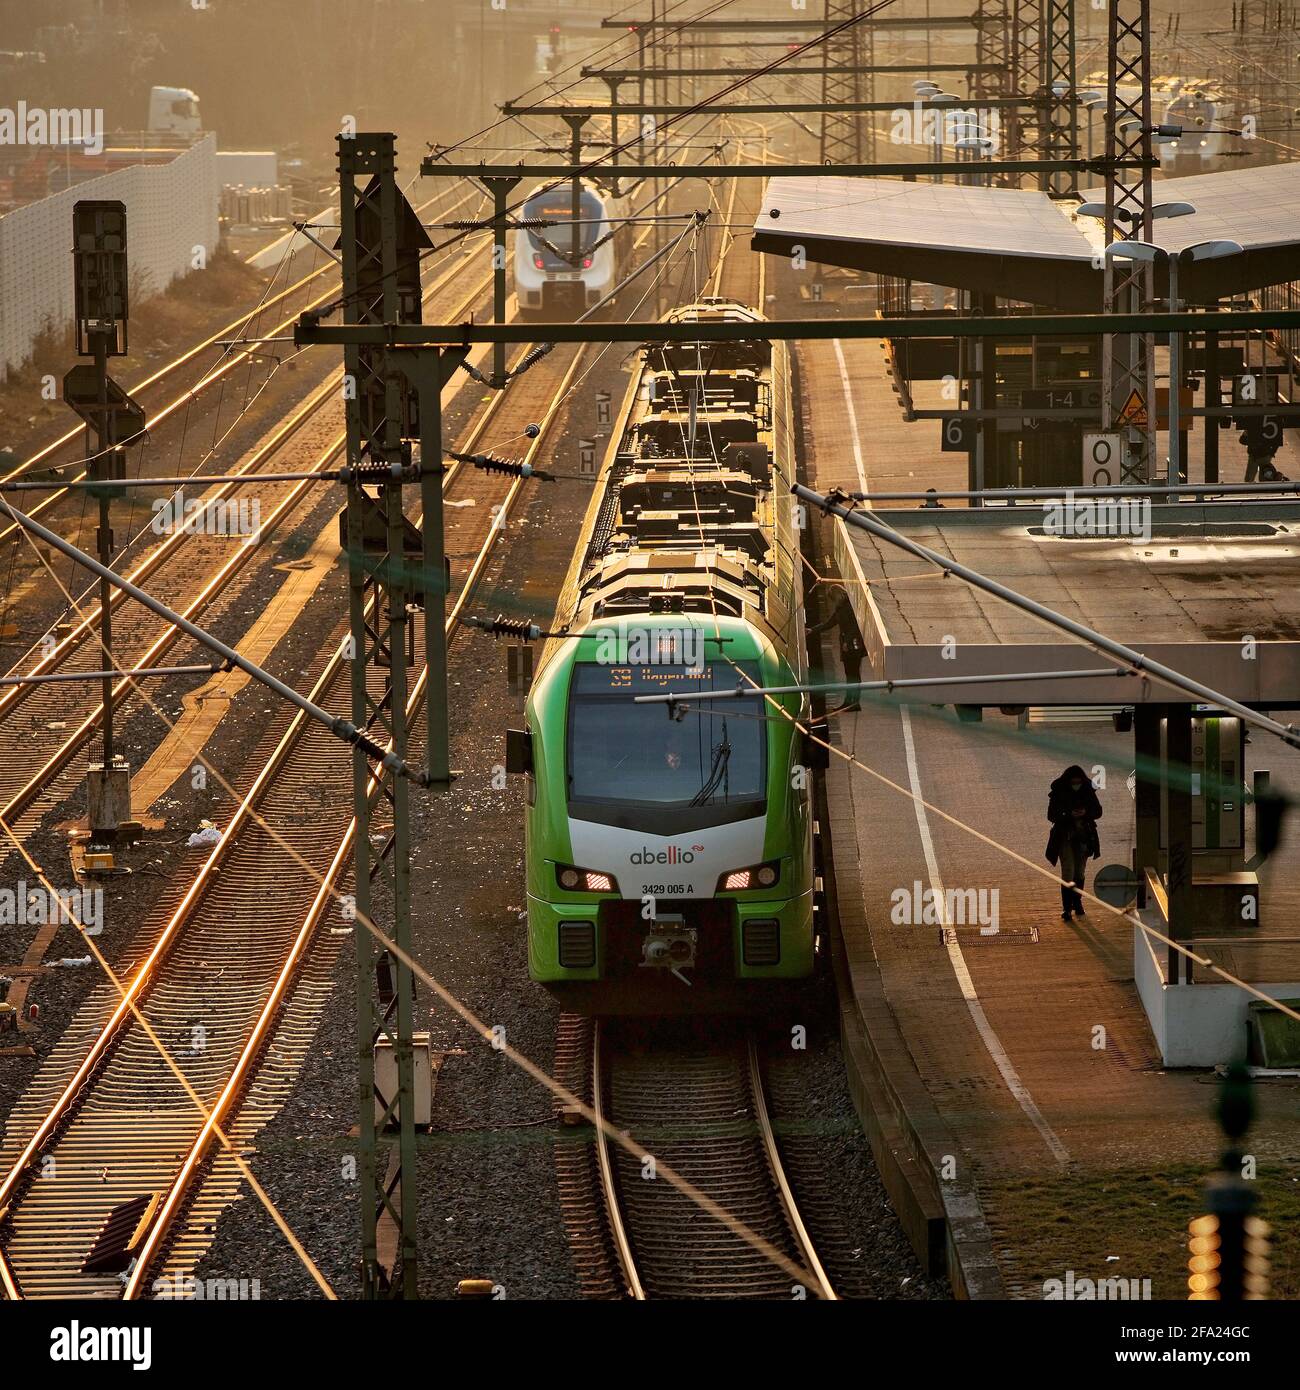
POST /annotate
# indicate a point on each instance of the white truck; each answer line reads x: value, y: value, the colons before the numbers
x: 174, y: 111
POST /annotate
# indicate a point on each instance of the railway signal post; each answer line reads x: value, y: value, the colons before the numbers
x: 102, y: 307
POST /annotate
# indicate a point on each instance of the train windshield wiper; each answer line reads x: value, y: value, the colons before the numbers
x: 717, y: 771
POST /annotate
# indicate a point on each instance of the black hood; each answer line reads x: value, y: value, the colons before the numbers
x: 1062, y: 783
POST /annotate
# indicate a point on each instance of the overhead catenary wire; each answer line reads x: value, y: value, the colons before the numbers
x: 341, y: 728
x: 487, y: 1035
x: 693, y: 109
x: 8, y: 1286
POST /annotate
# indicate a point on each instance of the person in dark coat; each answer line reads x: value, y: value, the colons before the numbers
x: 1074, y: 810
x: 852, y: 650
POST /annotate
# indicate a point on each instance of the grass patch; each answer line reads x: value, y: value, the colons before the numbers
x: 189, y: 310
x: 1077, y: 1221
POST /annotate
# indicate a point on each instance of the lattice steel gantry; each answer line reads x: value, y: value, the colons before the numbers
x: 1128, y: 360
x: 842, y: 135
x: 395, y: 569
x: 1060, y: 117
x: 1043, y: 64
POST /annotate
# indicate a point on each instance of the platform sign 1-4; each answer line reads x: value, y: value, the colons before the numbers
x: 959, y: 434
x: 1080, y: 395
x: 1101, y: 459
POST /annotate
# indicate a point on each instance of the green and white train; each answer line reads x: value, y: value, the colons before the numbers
x: 670, y: 851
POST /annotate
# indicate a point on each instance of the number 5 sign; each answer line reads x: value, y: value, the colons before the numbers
x: 1101, y: 459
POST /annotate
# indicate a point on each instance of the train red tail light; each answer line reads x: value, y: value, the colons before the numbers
x: 539, y: 263
x: 586, y: 264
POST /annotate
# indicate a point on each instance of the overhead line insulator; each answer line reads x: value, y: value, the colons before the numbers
x: 516, y: 468
x: 501, y: 626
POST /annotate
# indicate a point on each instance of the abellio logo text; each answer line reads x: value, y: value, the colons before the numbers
x: 674, y: 854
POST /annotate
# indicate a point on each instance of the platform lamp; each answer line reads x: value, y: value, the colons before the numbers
x: 976, y: 148
x: 938, y: 98
x: 1091, y: 101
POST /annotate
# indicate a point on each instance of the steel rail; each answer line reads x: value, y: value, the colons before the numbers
x: 227, y: 364
x: 318, y: 398
x: 205, y: 873
x: 825, y: 1289
x: 247, y: 1061
x: 114, y: 1028
x: 608, y: 1183
x: 176, y: 1194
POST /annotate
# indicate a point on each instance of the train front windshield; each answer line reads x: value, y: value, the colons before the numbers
x: 622, y: 752
x: 557, y: 207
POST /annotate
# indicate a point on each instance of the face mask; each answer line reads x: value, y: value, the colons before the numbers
x: 1076, y: 786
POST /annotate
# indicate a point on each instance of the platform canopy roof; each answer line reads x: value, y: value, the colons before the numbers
x: 1024, y: 245
x: 1186, y: 597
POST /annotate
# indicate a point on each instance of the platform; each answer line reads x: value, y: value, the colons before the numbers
x: 1027, y: 1055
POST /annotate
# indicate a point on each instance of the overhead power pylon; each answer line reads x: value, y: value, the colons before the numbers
x: 1128, y: 360
x: 843, y: 83
x: 395, y: 569
x: 1025, y: 132
x: 1060, y: 121
x: 992, y: 75
x: 994, y: 72
x: 1043, y: 63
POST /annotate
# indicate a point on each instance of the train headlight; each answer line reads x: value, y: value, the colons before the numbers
x: 760, y: 876
x: 584, y: 880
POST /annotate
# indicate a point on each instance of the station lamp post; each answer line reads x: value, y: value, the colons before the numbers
x: 975, y: 147
x: 1157, y: 255
x: 938, y: 98
x: 1091, y: 101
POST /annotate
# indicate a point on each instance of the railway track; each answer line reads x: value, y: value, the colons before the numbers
x: 108, y: 1121
x: 187, y: 570
x: 119, y: 1126
x: 699, y: 1106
